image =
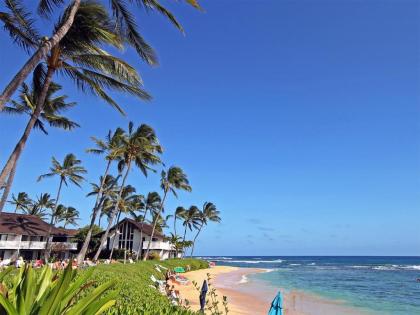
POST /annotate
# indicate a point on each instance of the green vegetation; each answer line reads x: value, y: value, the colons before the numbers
x: 42, y: 292
x: 133, y: 284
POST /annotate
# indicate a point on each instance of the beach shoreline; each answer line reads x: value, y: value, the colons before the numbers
x: 247, y: 296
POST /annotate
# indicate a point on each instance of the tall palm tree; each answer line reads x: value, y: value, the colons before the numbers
x: 141, y: 147
x: 51, y: 114
x: 171, y: 181
x: 70, y: 171
x: 179, y: 214
x: 192, y: 220
x: 209, y: 213
x: 126, y: 204
x: 80, y: 57
x: 21, y: 202
x: 20, y: 24
x: 151, y: 205
x: 112, y: 148
x: 44, y: 202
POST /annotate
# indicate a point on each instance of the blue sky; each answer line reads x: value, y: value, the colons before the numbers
x: 300, y: 120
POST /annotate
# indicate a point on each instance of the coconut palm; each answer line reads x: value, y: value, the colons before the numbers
x: 175, y: 241
x: 125, y: 204
x: 51, y: 114
x: 21, y: 202
x: 209, y: 213
x: 80, y: 57
x: 151, y: 205
x: 70, y: 216
x: 70, y: 171
x: 112, y: 148
x: 38, y: 208
x: 191, y: 220
x: 141, y: 148
x: 171, y: 181
x: 19, y: 23
x: 179, y: 214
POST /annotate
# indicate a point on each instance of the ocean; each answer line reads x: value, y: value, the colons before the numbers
x: 380, y: 285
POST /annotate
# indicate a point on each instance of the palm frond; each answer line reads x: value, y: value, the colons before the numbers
x: 45, y: 7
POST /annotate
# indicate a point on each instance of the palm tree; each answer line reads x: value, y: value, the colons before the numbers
x: 209, y: 213
x: 179, y: 213
x: 71, y: 170
x: 141, y: 147
x: 21, y: 202
x: 125, y: 204
x: 79, y: 57
x: 191, y: 220
x: 112, y: 148
x: 70, y: 216
x: 175, y: 241
x: 38, y: 208
x: 19, y: 23
x: 151, y: 204
x: 51, y: 114
x: 172, y: 180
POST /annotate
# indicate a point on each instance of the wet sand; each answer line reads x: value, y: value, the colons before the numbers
x: 250, y: 297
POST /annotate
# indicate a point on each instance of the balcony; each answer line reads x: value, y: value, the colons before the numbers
x: 34, y: 245
x: 158, y: 245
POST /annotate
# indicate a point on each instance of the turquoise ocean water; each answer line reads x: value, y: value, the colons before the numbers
x: 382, y: 285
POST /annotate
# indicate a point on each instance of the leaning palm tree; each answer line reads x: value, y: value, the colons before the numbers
x: 80, y: 57
x: 174, y: 179
x: 38, y: 208
x: 192, y: 220
x: 51, y: 114
x: 112, y: 148
x: 19, y: 22
x: 141, y: 148
x: 151, y: 205
x: 21, y: 202
x: 70, y: 171
x: 209, y: 213
x: 179, y: 214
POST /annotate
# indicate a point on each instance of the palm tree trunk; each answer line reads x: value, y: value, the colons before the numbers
x: 47, y: 247
x: 115, y: 236
x: 113, y: 214
x: 154, y: 225
x: 140, y: 249
x: 175, y: 224
x: 183, y: 241
x: 21, y: 144
x: 96, y: 208
x: 40, y: 54
x: 8, y: 187
x: 199, y: 230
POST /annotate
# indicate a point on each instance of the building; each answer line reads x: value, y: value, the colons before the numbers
x: 128, y: 238
x: 26, y: 235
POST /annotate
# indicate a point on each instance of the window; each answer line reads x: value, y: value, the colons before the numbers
x: 126, y: 236
x: 25, y: 238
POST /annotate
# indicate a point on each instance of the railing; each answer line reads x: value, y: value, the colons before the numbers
x: 158, y: 245
x: 37, y: 245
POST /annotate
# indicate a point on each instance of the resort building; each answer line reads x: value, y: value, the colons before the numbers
x: 26, y: 235
x: 127, y: 237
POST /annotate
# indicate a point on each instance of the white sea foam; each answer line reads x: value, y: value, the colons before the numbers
x: 295, y: 264
x: 244, y: 279
x: 250, y: 261
x: 312, y: 264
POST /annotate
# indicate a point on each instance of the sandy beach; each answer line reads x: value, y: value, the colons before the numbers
x: 246, y: 298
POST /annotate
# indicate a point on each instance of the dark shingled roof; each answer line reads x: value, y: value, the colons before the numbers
x: 25, y: 224
x: 147, y: 228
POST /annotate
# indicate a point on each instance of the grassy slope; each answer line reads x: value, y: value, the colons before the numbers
x: 132, y: 282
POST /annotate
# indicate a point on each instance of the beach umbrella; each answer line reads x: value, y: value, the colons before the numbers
x: 204, y: 289
x: 276, y: 305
